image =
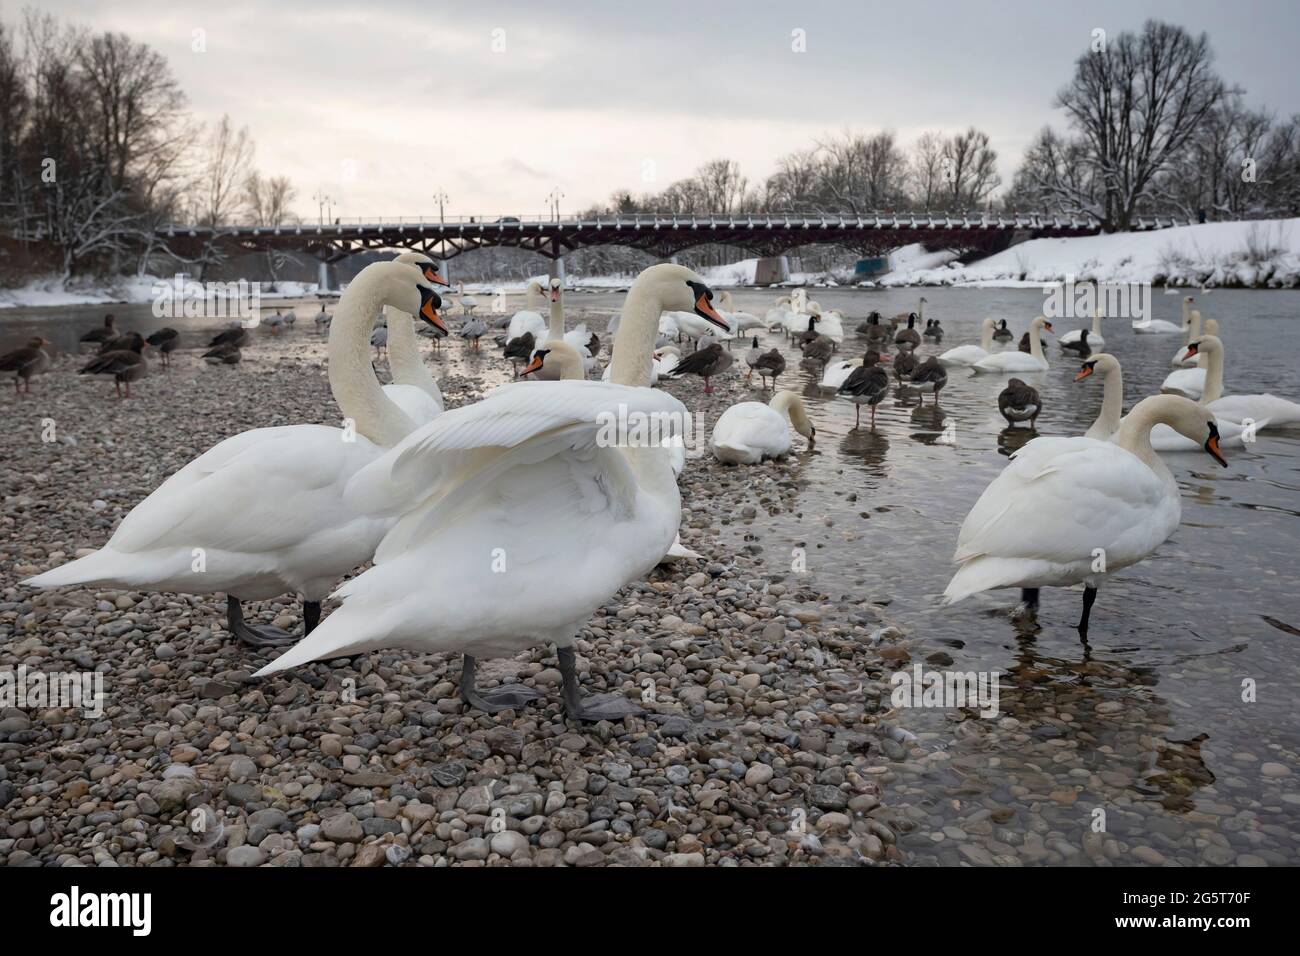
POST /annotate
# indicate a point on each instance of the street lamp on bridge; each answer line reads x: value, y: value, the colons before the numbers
x: 321, y: 200
x: 554, y: 200
x: 441, y: 198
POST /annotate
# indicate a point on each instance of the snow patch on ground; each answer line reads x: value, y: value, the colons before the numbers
x: 132, y: 290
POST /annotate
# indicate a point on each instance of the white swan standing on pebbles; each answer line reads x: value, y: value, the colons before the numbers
x: 1015, y: 363
x: 1027, y: 530
x: 748, y: 432
x: 263, y: 513
x: 964, y: 355
x: 521, y: 514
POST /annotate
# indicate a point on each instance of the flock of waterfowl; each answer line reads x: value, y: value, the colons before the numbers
x: 467, y: 513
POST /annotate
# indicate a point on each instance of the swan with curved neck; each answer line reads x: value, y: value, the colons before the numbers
x: 266, y: 506
x: 970, y: 354
x: 403, y: 349
x: 1031, y: 361
x: 748, y: 432
x: 1112, y: 394
x: 1028, y: 531
x: 525, y: 470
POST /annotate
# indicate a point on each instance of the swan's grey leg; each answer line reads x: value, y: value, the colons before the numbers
x: 254, y: 636
x: 1089, y: 596
x: 1028, y: 609
x: 591, y: 709
x: 506, y: 697
x: 310, y: 616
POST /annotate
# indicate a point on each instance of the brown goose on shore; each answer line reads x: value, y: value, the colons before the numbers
x: 520, y: 349
x: 165, y: 340
x: 1019, y: 402
x: 105, y: 333
x: 819, y: 350
x: 706, y: 363
x: 809, y: 334
x: 223, y: 355
x: 237, y: 336
x: 929, y: 376
x: 904, y: 365
x: 125, y: 365
x: 908, y: 338
x: 868, y: 384
x: 770, y: 365
x: 31, y: 359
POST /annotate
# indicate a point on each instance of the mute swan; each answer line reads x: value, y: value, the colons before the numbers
x: 126, y: 364
x: 404, y: 360
x: 262, y: 513
x: 525, y: 482
x: 31, y: 359
x: 1028, y: 531
x: 777, y: 315
x: 930, y: 376
x: 578, y: 337
x: 1112, y: 394
x: 105, y: 333
x: 1019, y: 402
x: 867, y: 384
x: 1096, y: 341
x: 1261, y: 410
x: 1019, y: 362
x: 964, y: 355
x: 748, y: 432
x: 706, y: 363
x: 1155, y: 327
x: 528, y: 319
x: 829, y: 323
x: 737, y: 322
x: 1191, y: 332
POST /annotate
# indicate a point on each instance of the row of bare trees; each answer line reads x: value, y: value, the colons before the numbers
x: 97, y: 151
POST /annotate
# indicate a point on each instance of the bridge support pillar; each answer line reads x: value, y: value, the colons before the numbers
x: 323, y: 277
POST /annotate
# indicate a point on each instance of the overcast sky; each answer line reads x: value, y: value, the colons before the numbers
x: 382, y: 103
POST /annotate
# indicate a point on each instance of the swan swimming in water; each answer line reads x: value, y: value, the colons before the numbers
x: 525, y: 472
x: 964, y: 355
x: 1019, y: 362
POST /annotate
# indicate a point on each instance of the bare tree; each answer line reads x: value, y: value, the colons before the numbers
x: 968, y: 169
x: 926, y: 170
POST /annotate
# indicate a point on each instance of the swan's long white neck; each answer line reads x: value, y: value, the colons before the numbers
x: 1035, y: 341
x: 790, y: 403
x: 1096, y: 322
x: 634, y: 341
x: 1135, y: 436
x: 352, y: 378
x: 1213, y: 390
x: 986, y: 334
x: 404, y: 354
x: 530, y: 297
x: 1112, y: 400
x: 920, y: 313
x: 555, y: 329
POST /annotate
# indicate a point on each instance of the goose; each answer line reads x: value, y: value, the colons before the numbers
x: 1018, y: 362
x: 290, y: 318
x: 531, y: 472
x: 867, y: 384
x: 706, y: 363
x: 1002, y: 333
x: 829, y: 323
x: 1028, y: 531
x: 1096, y: 341
x: 519, y: 350
x: 468, y: 302
x: 472, y: 330
x: 1023, y: 345
x: 528, y: 319
x: 223, y: 355
x: 264, y: 510
x: 165, y: 340
x: 274, y: 322
x: 908, y: 338
x: 1083, y: 345
x: 322, y: 320
x: 26, y: 362
x: 929, y: 376
x: 877, y: 335
x: 124, y: 342
x: 905, y: 364
x: 379, y: 341
x: 748, y: 432
x: 751, y: 358
x: 1259, y: 410
x: 770, y: 365
x: 1019, y: 402
x: 236, y: 335
x: 105, y: 333
x: 965, y: 355
x: 933, y: 330
x: 807, y: 334
x: 126, y: 365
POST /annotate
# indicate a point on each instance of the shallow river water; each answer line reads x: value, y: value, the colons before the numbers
x: 1177, y: 716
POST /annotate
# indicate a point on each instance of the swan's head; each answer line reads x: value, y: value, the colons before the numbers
x: 1041, y: 323
x: 1099, y: 364
x: 1212, y: 327
x: 427, y: 266
x: 1189, y: 419
x: 555, y: 286
x: 679, y: 289
x: 1206, y: 343
x: 988, y: 323
x: 560, y: 356
x: 1188, y: 299
x: 404, y: 287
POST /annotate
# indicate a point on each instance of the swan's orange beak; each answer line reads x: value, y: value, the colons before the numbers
x: 705, y: 310
x: 555, y: 294
x: 1192, y: 349
x: 1212, y: 446
x: 1048, y: 326
x: 534, y: 366
x: 1083, y: 373
x: 431, y: 273
x: 430, y: 314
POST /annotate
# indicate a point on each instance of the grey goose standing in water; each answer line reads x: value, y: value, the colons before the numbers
x: 1019, y: 402
x: 868, y: 384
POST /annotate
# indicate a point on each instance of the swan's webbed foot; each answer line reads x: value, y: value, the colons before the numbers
x: 266, y: 636
x: 1027, y: 610
x: 595, y: 708
x: 506, y: 697
x: 1089, y: 596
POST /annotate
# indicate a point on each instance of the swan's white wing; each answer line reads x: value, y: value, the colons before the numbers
x: 836, y: 374
x: 1237, y: 408
x: 1053, y: 507
x: 748, y: 431
x: 417, y: 404
x: 963, y: 355
x: 1010, y: 362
